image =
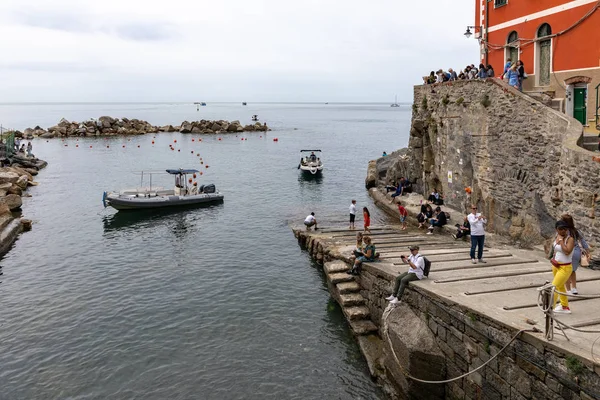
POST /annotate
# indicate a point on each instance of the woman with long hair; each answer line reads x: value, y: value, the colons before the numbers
x: 581, y: 247
x: 368, y: 255
x: 561, y: 259
x: 366, y: 219
x: 521, y: 72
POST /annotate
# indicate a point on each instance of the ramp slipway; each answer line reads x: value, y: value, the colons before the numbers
x: 505, y: 288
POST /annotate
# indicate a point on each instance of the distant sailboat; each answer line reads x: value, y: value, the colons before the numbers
x: 395, y: 103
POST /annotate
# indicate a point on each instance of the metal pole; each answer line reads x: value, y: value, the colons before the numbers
x: 597, y: 105
x: 549, y: 325
x: 485, y: 41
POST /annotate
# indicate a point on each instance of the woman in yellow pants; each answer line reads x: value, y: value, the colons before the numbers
x: 561, y: 264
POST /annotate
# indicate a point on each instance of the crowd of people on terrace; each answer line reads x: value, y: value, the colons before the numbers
x: 513, y: 73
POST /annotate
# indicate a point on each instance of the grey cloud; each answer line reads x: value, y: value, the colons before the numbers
x: 80, y: 22
x: 49, y: 19
x: 145, y: 32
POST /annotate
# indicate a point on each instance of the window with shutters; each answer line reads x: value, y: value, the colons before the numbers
x: 544, y: 54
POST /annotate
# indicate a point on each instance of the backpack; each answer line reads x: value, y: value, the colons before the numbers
x: 447, y: 215
x: 426, y: 267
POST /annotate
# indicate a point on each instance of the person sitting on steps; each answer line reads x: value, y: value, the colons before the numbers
x: 368, y: 255
x: 439, y: 219
x: 358, y: 251
x: 310, y: 221
x: 416, y: 267
x: 462, y: 231
x: 399, y: 190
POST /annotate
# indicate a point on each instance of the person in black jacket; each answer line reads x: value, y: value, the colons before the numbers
x: 439, y: 219
x: 462, y: 231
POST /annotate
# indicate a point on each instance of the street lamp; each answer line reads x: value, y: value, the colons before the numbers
x: 468, y: 33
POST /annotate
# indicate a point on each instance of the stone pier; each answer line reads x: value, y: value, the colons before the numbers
x: 459, y: 318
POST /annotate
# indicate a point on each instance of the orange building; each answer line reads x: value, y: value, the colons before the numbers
x: 558, y: 42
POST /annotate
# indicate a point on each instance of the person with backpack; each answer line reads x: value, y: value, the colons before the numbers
x: 418, y: 268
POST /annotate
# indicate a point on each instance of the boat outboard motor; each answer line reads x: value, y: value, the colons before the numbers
x: 201, y: 189
x: 210, y: 188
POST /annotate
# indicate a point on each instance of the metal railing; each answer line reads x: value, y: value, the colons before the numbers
x: 7, y: 142
x: 597, y: 106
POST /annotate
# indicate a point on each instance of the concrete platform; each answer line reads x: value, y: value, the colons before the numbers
x: 505, y: 288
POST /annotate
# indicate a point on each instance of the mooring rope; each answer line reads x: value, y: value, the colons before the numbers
x: 549, y: 311
x: 385, y: 316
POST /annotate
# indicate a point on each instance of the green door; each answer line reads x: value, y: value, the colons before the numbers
x: 579, y: 108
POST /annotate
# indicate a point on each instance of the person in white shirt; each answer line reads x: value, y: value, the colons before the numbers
x: 415, y: 272
x: 477, y: 222
x: 352, y: 213
x: 310, y: 221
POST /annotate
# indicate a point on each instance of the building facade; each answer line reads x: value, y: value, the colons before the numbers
x: 558, y: 42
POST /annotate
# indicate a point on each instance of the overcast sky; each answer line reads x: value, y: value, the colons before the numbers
x: 227, y: 50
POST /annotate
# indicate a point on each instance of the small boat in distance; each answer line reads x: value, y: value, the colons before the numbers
x: 255, y: 117
x: 244, y: 103
x: 157, y: 197
x: 310, y: 164
x: 203, y: 104
x: 395, y: 103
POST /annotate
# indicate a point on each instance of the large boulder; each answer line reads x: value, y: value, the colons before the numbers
x: 22, y: 182
x: 196, y: 130
x: 14, y: 189
x: 63, y: 122
x: 186, y: 127
x: 20, y: 171
x: 105, y: 121
x: 232, y: 128
x: 45, y: 135
x: 13, y: 201
x: 215, y: 127
x: 8, y: 177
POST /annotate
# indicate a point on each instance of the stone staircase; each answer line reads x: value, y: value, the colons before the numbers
x: 590, y: 141
x: 547, y: 98
x: 346, y: 291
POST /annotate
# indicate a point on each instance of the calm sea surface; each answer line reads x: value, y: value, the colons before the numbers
x: 211, y: 303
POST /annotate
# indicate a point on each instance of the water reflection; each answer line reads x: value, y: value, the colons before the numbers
x: 149, y: 219
x: 310, y: 179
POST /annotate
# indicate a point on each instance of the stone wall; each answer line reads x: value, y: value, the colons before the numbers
x: 519, y: 158
x: 529, y: 369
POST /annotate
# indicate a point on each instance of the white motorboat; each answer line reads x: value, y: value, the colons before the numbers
x: 310, y: 164
x: 395, y: 103
x: 147, y: 197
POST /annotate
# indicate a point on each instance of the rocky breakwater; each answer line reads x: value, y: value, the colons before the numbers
x: 108, y: 126
x: 14, y: 181
x: 221, y: 126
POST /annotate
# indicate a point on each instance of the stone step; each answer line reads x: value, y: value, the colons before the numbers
x: 351, y: 299
x: 340, y: 277
x: 373, y: 349
x: 335, y: 266
x: 363, y: 327
x: 356, y: 312
x: 348, y: 287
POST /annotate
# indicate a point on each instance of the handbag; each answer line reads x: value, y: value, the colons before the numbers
x: 585, y: 260
x: 551, y: 252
